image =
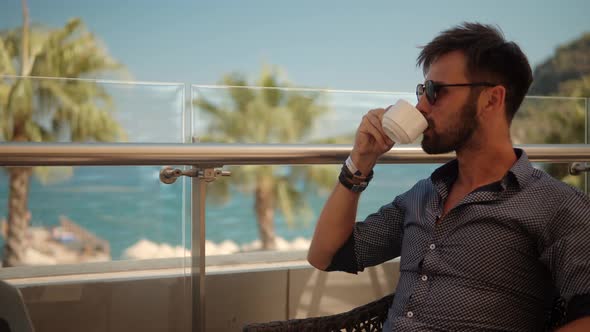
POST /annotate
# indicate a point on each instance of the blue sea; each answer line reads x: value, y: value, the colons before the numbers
x: 127, y: 204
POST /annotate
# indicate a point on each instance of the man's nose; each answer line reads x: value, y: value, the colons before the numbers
x: 423, y: 105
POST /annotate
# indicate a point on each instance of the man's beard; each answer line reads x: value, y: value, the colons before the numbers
x: 458, y: 132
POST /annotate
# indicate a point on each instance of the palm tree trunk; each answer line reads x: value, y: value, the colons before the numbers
x: 18, y: 216
x: 18, y: 212
x: 264, y: 206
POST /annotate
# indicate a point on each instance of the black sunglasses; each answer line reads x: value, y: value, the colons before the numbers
x: 431, y: 89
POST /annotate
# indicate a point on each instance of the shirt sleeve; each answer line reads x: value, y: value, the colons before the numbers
x: 578, y: 307
x: 566, y: 252
x: 373, y: 241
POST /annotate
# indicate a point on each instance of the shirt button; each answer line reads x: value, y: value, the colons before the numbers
x: 432, y: 246
x: 424, y: 277
x: 410, y: 314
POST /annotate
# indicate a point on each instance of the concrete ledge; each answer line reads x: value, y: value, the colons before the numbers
x: 159, y: 299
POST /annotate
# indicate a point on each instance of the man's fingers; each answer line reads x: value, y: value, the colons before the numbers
x: 375, y: 132
x: 375, y: 117
x: 372, y: 128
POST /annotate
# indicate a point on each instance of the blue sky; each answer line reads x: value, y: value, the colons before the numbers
x: 353, y: 45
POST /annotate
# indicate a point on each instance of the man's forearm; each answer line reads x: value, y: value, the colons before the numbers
x: 579, y: 325
x: 334, y: 226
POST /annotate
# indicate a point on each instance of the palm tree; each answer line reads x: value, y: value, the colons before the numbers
x: 268, y: 113
x: 47, y: 110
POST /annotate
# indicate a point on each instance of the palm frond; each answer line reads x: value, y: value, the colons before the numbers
x: 56, y: 89
x: 213, y: 138
x: 6, y: 67
x: 239, y: 92
x: 12, y: 42
x: 72, y: 52
x: 96, y: 124
x: 211, y: 110
x: 19, y: 102
x: 33, y: 131
x: 268, y: 113
x: 271, y: 94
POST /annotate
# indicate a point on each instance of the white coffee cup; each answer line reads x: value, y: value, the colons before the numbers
x: 403, y: 123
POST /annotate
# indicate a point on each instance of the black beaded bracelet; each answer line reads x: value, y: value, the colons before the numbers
x: 353, y: 182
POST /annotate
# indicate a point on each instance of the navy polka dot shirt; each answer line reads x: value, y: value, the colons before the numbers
x: 496, y: 261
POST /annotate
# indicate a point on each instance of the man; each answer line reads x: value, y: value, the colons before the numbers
x: 487, y: 241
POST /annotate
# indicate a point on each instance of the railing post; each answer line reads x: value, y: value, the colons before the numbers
x: 201, y: 175
x: 198, y: 196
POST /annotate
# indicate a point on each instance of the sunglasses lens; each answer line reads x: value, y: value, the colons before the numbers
x: 430, y: 93
x: 429, y: 88
x: 419, y: 91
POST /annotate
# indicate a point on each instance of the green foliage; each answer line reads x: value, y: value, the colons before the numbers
x: 569, y: 63
x: 49, y: 108
x: 269, y: 112
x: 561, y: 119
x: 39, y: 109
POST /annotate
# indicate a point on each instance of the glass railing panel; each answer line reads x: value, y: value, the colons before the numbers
x: 553, y: 120
x: 89, y: 213
x: 79, y: 227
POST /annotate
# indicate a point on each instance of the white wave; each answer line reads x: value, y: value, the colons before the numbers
x: 146, y: 249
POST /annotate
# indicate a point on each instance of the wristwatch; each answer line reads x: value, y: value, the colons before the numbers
x: 354, y: 187
x: 354, y: 182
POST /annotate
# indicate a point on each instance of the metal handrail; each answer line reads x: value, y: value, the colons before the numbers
x: 124, y: 154
x: 204, y: 157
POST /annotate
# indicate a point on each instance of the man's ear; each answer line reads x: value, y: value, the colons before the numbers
x: 495, y: 98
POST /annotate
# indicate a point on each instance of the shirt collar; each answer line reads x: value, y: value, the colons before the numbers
x: 522, y: 169
x: 520, y: 173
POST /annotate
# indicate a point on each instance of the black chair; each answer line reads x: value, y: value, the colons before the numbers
x: 370, y: 317
x: 14, y: 316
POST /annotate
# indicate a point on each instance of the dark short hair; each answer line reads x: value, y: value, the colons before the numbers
x: 489, y: 58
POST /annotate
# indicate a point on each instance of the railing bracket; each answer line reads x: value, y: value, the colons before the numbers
x: 578, y: 167
x: 168, y: 175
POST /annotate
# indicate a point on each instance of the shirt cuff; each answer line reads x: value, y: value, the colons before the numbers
x: 578, y: 307
x: 345, y: 258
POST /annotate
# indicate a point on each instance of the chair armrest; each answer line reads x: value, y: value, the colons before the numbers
x: 369, y: 317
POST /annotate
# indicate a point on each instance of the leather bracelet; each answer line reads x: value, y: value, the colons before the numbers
x: 356, y: 177
x: 356, y: 188
x: 352, y: 167
x: 354, y: 182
